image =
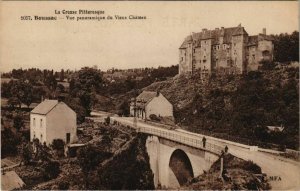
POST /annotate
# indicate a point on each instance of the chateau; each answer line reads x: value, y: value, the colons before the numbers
x: 229, y: 50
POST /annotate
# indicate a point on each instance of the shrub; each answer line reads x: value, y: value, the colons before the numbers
x: 51, y: 169
x: 153, y: 117
x: 63, y: 185
x: 58, y: 144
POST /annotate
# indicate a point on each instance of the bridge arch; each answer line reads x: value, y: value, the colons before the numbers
x: 181, y: 167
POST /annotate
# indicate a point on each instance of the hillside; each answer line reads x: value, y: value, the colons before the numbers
x: 240, y: 175
x: 238, y: 106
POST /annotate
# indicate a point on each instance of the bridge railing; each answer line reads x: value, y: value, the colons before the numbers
x: 194, y: 142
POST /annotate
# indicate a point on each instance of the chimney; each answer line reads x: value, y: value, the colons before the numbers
x: 204, y: 30
x: 157, y: 93
x: 264, y: 31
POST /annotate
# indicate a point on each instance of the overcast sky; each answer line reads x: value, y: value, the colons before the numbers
x: 123, y: 44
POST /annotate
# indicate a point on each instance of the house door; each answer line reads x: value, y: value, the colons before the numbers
x: 68, y: 137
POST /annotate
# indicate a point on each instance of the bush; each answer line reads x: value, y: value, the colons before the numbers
x: 252, y: 167
x: 63, y: 185
x: 58, y: 144
x: 51, y: 169
x: 153, y: 117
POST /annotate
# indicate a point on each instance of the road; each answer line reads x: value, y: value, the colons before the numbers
x: 282, y: 174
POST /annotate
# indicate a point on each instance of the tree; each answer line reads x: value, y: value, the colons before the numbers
x: 18, y: 122
x: 88, y: 160
x: 51, y: 169
x: 89, y: 79
x: 26, y: 154
x: 286, y: 47
x: 123, y: 108
x: 23, y: 91
x: 62, y: 75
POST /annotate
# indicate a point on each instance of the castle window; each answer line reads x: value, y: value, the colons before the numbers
x: 253, y: 56
x: 224, y: 46
x: 41, y: 123
x: 234, y: 44
x: 33, y: 122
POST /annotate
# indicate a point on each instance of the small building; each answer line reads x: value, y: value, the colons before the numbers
x: 51, y: 120
x: 150, y: 102
x: 275, y: 129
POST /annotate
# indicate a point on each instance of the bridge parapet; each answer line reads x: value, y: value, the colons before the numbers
x: 174, y: 136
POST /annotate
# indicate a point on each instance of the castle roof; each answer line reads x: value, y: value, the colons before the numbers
x: 226, y: 33
x: 253, y: 40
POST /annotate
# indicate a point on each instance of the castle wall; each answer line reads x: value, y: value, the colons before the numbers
x: 238, y: 52
x: 205, y: 55
x: 265, y: 45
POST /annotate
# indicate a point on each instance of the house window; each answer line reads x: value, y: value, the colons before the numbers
x: 194, y: 50
x: 41, y: 138
x: 33, y: 122
x: 181, y: 58
x: 41, y: 123
x: 253, y: 56
x: 224, y: 46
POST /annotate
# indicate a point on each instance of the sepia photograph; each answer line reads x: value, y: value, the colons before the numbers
x: 149, y: 95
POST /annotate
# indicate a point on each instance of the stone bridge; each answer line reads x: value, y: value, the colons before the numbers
x: 174, y: 159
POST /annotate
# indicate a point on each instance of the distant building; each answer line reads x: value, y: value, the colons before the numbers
x: 229, y: 50
x: 149, y: 102
x: 52, y: 119
x: 275, y: 128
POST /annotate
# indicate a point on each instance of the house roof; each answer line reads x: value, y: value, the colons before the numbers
x: 146, y: 96
x: 44, y: 107
x: 10, y: 180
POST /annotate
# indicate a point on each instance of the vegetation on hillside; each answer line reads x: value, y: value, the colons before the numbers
x: 241, y: 106
x: 238, y: 175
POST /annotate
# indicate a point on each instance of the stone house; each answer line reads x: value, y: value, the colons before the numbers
x: 230, y: 50
x: 51, y: 120
x: 150, y: 102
